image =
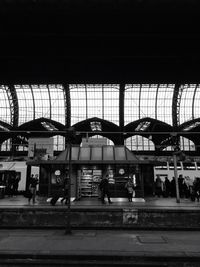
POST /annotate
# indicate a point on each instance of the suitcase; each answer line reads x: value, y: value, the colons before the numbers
x: 54, y: 200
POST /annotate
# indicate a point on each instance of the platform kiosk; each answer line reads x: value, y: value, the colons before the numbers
x: 89, y: 166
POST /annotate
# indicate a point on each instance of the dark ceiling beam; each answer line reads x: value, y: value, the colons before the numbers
x: 121, y: 111
x: 67, y: 99
x: 176, y: 105
x: 193, y: 100
x: 14, y: 106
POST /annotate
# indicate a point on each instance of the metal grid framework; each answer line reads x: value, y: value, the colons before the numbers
x: 5, y: 109
x: 139, y: 143
x: 36, y: 101
x: 189, y: 103
x: 94, y: 100
x: 148, y: 100
x: 117, y: 103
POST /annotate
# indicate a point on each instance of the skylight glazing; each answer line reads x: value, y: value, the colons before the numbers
x: 94, y: 100
x: 5, y: 114
x: 148, y: 100
x: 186, y: 103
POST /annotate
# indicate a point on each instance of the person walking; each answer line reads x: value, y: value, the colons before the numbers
x: 105, y: 191
x: 130, y: 189
x: 33, y: 187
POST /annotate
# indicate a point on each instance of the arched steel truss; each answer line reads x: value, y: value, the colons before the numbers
x: 12, y: 96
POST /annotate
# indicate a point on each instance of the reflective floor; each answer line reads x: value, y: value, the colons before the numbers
x: 151, y: 202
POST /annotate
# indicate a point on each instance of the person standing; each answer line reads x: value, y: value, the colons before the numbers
x: 158, y: 186
x: 105, y: 191
x: 33, y: 187
x: 16, y: 184
x: 130, y: 189
x: 65, y: 199
x: 167, y: 187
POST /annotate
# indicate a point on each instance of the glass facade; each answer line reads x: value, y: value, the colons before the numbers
x: 102, y: 101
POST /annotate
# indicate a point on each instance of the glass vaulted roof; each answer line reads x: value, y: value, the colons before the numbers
x: 85, y: 101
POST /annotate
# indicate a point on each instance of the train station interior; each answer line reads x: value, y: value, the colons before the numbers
x: 94, y: 90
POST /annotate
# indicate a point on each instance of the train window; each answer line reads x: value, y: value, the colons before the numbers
x: 189, y: 166
x: 171, y: 166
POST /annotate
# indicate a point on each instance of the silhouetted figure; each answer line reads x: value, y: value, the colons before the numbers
x: 181, y: 185
x: 167, y: 187
x: 130, y: 189
x: 104, y: 187
x: 173, y: 187
x: 65, y: 199
x: 158, y: 186
x: 16, y: 184
x: 32, y: 187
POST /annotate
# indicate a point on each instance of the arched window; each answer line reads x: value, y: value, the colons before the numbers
x: 186, y: 144
x: 138, y: 142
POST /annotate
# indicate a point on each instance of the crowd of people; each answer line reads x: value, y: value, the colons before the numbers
x: 188, y: 188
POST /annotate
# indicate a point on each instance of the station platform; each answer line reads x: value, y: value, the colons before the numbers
x: 149, y: 214
x: 99, y: 248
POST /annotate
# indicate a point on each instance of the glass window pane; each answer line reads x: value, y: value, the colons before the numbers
x: 138, y: 142
x: 25, y: 103
x: 197, y: 103
x: 5, y: 114
x: 36, y: 101
x: 94, y: 100
x: 148, y: 100
x: 186, y: 102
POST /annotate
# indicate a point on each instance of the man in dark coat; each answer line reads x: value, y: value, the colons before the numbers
x: 104, y: 187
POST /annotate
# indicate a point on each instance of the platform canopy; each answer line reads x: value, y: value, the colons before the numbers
x: 100, y: 155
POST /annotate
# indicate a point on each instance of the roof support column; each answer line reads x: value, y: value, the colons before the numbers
x: 14, y: 108
x: 178, y: 89
x: 121, y: 112
x: 67, y: 99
